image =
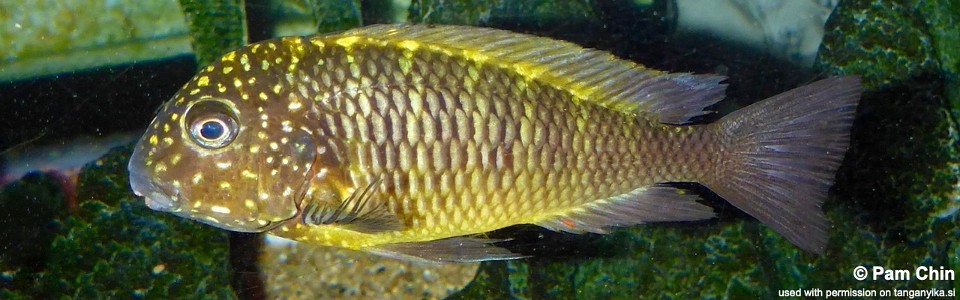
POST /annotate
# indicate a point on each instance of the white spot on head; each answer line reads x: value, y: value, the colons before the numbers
x: 264, y: 196
x: 223, y: 164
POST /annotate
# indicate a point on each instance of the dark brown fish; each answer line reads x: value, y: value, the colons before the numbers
x: 406, y: 140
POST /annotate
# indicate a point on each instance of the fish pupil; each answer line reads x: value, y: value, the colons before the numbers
x: 213, y: 124
x: 212, y: 130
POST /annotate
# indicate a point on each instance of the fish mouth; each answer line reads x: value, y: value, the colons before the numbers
x: 160, y: 202
x: 156, y: 197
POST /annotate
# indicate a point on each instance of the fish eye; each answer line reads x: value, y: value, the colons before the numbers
x: 212, y: 124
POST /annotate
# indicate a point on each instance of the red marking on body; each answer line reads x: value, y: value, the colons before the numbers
x: 568, y: 222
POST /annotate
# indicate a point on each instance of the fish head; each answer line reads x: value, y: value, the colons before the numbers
x: 220, y: 154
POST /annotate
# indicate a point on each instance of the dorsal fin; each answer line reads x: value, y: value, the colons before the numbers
x: 588, y: 74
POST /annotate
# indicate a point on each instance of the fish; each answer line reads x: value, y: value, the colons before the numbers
x: 414, y: 141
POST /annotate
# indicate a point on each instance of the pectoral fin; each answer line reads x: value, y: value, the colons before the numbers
x: 456, y: 249
x: 361, y: 212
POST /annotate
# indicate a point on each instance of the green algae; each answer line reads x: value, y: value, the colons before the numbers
x: 113, y: 246
x: 883, y: 41
x: 942, y: 18
x: 479, y: 12
x: 130, y: 252
x: 902, y: 172
x: 216, y: 26
x: 332, y: 16
x: 29, y: 209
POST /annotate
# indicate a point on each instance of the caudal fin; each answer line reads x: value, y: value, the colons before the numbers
x: 781, y: 155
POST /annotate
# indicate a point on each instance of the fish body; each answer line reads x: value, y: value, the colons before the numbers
x: 409, y: 140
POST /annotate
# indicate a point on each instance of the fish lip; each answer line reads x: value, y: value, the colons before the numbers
x: 136, y: 167
x: 161, y: 202
x: 156, y: 197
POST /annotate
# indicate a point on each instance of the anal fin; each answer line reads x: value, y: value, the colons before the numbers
x: 455, y: 249
x: 644, y: 205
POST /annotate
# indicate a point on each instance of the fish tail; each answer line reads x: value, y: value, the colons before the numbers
x: 780, y: 156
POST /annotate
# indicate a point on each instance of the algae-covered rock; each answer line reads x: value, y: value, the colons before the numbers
x: 902, y: 170
x: 884, y: 41
x: 332, y: 16
x: 480, y: 12
x: 116, y: 247
x: 130, y: 252
x: 216, y: 26
x: 113, y: 246
x: 29, y: 209
x: 942, y: 18
x: 491, y: 282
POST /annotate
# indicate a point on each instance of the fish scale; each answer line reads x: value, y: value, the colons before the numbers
x: 408, y: 141
x: 523, y: 111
